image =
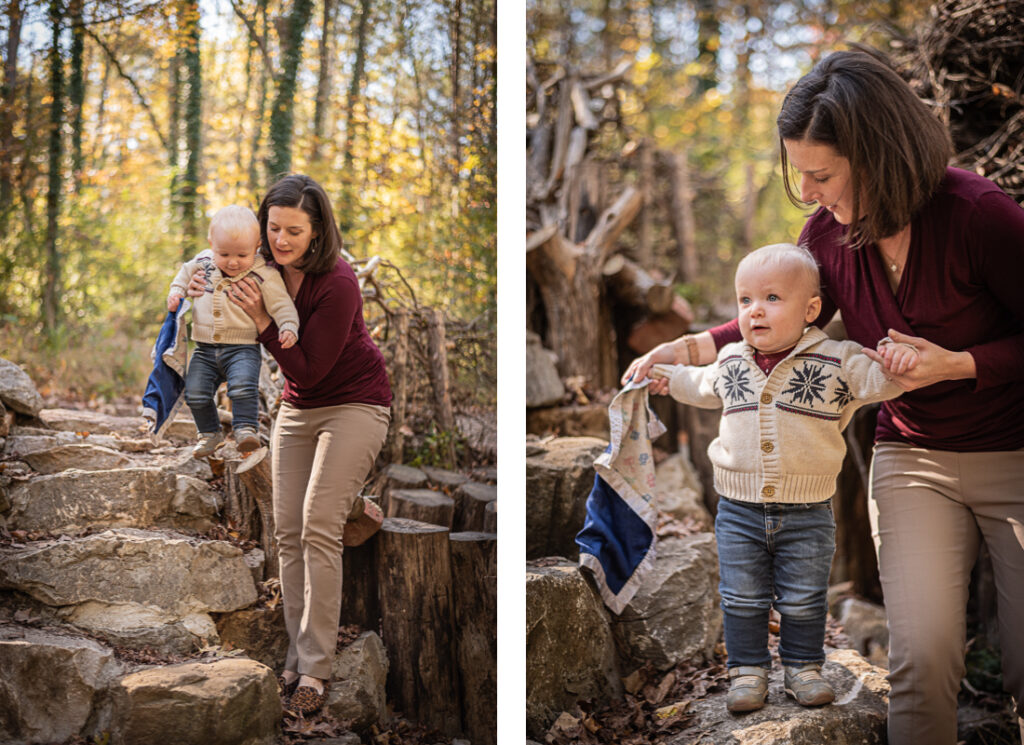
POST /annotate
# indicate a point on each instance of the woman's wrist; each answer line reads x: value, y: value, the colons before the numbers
x: 963, y: 366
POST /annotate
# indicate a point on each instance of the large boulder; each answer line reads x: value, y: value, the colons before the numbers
x: 163, y: 570
x: 543, y: 385
x: 136, y: 626
x: 360, y: 672
x: 858, y: 714
x: 49, y: 684
x: 675, y: 614
x: 224, y: 702
x: 84, y: 457
x: 95, y: 422
x: 73, y: 501
x: 866, y: 627
x: 679, y: 492
x: 259, y: 631
x: 17, y: 390
x: 559, y: 476
x: 570, y: 653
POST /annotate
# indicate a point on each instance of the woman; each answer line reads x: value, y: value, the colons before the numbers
x: 331, y: 425
x: 931, y: 256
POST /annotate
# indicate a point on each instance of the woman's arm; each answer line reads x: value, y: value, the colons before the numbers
x: 690, y: 349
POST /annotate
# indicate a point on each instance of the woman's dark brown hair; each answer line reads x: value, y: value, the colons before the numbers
x: 302, y: 192
x: 898, y: 151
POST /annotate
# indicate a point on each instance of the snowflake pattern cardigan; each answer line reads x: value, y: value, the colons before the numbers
x: 780, y: 437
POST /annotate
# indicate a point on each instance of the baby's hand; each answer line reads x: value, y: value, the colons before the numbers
x: 173, y: 301
x: 287, y: 339
x: 899, y: 357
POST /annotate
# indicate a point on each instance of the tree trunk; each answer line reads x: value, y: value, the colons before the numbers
x: 634, y: 286
x: 683, y: 220
x: 444, y: 416
x: 8, y: 95
x: 282, y: 115
x: 360, y: 603
x: 355, y: 83
x: 424, y: 505
x: 474, y: 580
x: 192, y: 242
x: 261, y: 104
x: 52, y: 279
x: 323, y: 87
x: 455, y: 70
x: 471, y: 500
x: 400, y: 387
x: 174, y: 136
x: 414, y: 562
x: 253, y: 474
x: 76, y: 89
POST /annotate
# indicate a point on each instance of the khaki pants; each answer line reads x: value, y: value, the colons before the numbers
x: 929, y: 511
x: 320, y: 459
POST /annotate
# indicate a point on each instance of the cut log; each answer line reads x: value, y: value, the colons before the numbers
x: 635, y: 286
x: 425, y: 505
x: 612, y: 222
x: 397, y: 476
x: 414, y: 565
x: 443, y: 412
x: 581, y: 106
x: 491, y: 517
x: 471, y: 501
x: 444, y: 479
x: 360, y: 603
x: 474, y: 581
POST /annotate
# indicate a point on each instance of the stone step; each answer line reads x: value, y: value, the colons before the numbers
x: 74, y: 501
x: 161, y: 570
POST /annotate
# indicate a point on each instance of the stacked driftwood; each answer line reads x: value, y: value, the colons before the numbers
x: 579, y: 202
x: 969, y: 61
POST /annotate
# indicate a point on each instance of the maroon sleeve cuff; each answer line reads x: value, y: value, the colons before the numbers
x: 727, y: 333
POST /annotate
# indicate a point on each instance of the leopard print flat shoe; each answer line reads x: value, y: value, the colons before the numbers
x: 286, y: 689
x: 306, y: 700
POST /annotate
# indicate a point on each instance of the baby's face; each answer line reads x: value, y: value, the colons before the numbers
x: 234, y: 254
x: 774, y: 307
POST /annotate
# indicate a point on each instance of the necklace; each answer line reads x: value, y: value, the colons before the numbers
x: 892, y: 263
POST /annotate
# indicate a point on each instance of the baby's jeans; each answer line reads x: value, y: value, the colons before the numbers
x: 212, y: 364
x: 781, y: 554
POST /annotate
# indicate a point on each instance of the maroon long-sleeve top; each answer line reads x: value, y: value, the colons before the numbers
x: 962, y: 288
x: 335, y: 361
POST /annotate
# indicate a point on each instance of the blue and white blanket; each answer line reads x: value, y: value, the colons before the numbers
x: 617, y: 542
x: 165, y: 389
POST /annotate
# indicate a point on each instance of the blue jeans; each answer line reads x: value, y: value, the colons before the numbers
x: 774, y: 554
x: 212, y: 364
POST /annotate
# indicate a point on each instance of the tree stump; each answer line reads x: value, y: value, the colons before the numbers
x: 444, y: 479
x: 425, y: 505
x: 471, y: 500
x: 414, y: 565
x: 491, y: 517
x: 360, y: 603
x: 398, y: 476
x: 474, y: 582
x: 252, y: 474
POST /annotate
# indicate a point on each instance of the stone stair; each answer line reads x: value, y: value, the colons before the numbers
x: 103, y: 563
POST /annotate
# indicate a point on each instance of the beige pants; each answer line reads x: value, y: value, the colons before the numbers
x: 929, y: 512
x: 320, y: 459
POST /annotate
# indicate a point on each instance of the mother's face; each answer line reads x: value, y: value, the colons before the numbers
x: 289, y: 233
x: 824, y: 177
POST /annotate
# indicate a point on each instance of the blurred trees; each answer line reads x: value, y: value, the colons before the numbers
x: 124, y: 123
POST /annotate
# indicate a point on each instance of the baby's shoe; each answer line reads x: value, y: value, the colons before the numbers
x: 748, y: 688
x: 247, y: 439
x: 208, y: 442
x: 805, y: 684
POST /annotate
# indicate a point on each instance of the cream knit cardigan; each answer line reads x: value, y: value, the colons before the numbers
x: 780, y: 437
x: 216, y: 320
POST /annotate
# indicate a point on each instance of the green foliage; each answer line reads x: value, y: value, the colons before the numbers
x: 436, y: 449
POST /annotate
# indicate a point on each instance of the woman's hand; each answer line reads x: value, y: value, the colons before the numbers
x: 247, y: 296
x: 934, y: 363
x: 197, y: 285
x: 640, y: 368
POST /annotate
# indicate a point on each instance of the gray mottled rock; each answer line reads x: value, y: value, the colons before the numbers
x: 856, y: 717
x: 675, y: 615
x: 224, y: 702
x: 80, y: 456
x: 259, y: 630
x: 543, y: 385
x: 85, y: 420
x: 559, y: 476
x: 570, y: 653
x: 17, y: 390
x: 866, y: 627
x: 136, y: 626
x: 578, y: 420
x: 49, y: 684
x: 679, y: 491
x: 73, y: 501
x: 163, y: 570
x: 360, y: 672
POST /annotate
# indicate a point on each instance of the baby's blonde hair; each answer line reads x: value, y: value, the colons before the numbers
x: 233, y: 220
x: 778, y: 255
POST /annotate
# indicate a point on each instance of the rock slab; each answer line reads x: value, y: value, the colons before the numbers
x: 360, y: 673
x: 17, y: 390
x: 570, y: 653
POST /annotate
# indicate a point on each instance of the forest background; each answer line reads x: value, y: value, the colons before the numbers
x: 706, y: 82
x: 124, y: 124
